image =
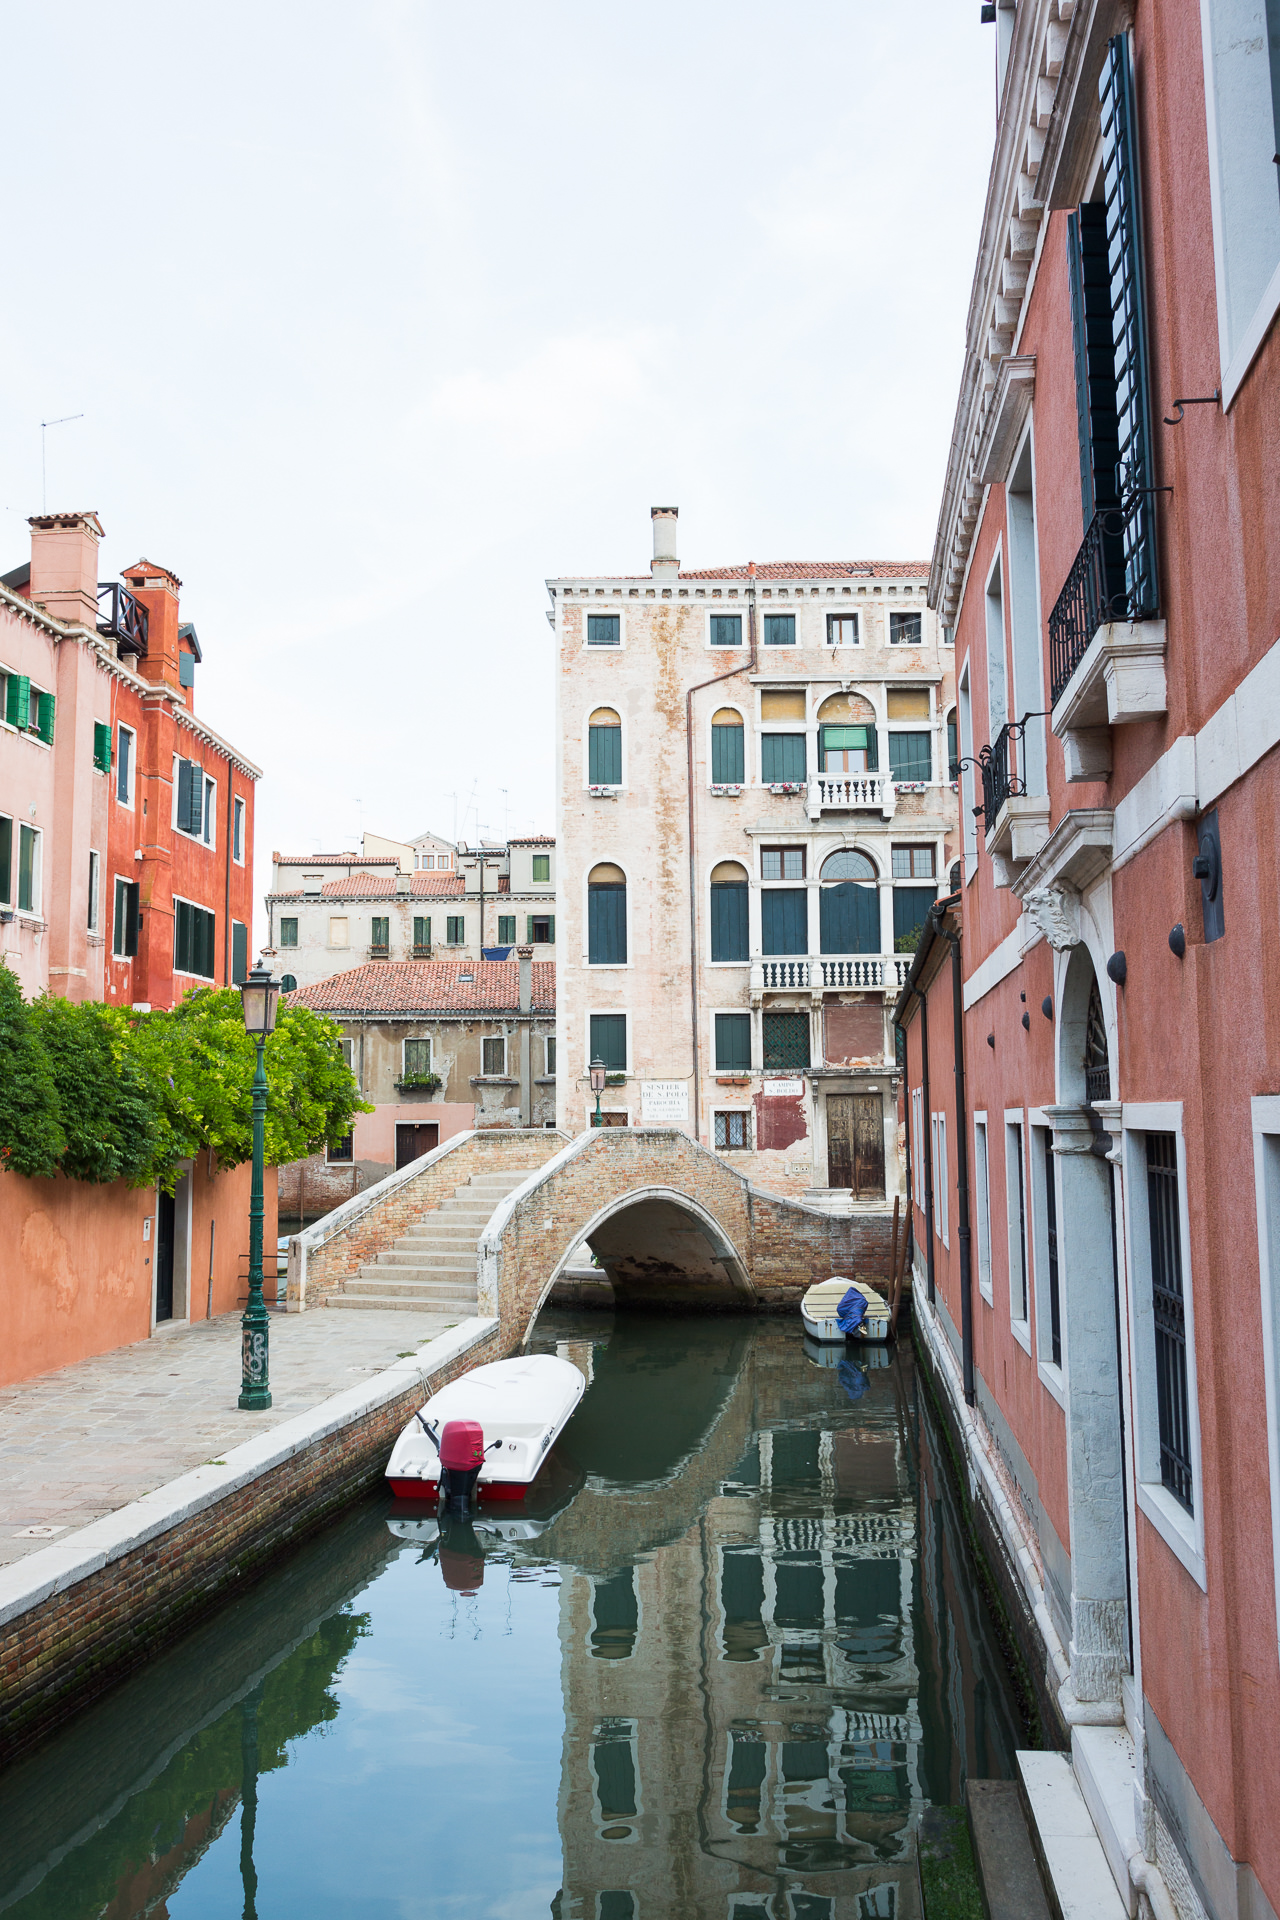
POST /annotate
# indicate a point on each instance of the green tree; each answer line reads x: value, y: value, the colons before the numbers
x: 106, y: 1101
x: 31, y: 1136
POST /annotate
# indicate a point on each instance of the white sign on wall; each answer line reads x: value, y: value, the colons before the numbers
x: 664, y: 1103
x: 792, y: 1089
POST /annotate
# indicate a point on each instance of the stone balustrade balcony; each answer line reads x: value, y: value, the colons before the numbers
x: 821, y: 973
x: 852, y: 793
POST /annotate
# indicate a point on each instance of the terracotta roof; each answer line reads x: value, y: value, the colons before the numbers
x: 534, y: 840
x: 334, y: 860
x: 430, y: 986
x: 816, y: 570
x: 364, y: 886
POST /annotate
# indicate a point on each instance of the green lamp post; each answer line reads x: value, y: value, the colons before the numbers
x: 597, y: 1071
x: 259, y: 996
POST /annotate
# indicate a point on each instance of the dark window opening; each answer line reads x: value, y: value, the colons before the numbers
x: 1169, y: 1310
x: 604, y: 629
x: 786, y: 1040
x: 609, y: 1040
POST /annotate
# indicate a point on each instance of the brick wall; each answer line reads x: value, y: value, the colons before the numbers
x: 57, y: 1656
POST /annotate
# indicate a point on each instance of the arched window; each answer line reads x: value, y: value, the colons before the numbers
x: 728, y: 750
x: 847, y: 735
x: 729, y: 911
x: 953, y: 878
x: 849, y: 904
x: 606, y: 916
x: 604, y: 748
x: 288, y: 983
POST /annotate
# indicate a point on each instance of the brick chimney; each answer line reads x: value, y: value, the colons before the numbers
x: 64, y: 565
x: 664, y: 565
x: 524, y: 960
x: 157, y: 590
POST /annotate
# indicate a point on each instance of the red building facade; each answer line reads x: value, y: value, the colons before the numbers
x: 1092, y: 1024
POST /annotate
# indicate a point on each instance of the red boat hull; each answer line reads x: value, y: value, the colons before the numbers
x: 487, y: 1489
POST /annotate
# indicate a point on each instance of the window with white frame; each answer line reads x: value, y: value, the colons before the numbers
x: 1266, y: 1165
x: 982, y: 1200
x: 1015, y: 1186
x: 842, y: 629
x: 417, y: 1058
x: 969, y: 830
x: 733, y: 1130
x: 1241, y: 47
x: 30, y: 847
x: 1166, y: 1415
x: 906, y: 629
x: 494, y: 1054
x: 348, y: 1045
x: 941, y: 1223
x: 550, y: 1066
x: 343, y: 1154
x: 1044, y: 1218
x: 237, y: 831
x: 6, y: 860
x: 94, y: 890
x: 126, y: 755
x: 917, y: 1145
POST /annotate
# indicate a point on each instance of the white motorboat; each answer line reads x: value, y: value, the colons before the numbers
x: 501, y: 1419
x: 820, y: 1306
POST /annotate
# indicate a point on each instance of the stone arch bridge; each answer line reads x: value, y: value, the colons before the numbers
x: 671, y: 1223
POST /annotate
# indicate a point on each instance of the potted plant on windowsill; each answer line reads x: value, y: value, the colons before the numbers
x: 786, y: 786
x: 419, y: 1083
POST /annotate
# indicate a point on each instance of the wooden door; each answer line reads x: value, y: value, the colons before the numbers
x: 165, y: 1220
x: 414, y: 1138
x: 855, y: 1144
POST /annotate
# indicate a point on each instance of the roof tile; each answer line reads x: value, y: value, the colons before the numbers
x: 429, y: 986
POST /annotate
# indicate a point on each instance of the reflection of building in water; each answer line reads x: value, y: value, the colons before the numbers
x: 742, y: 1731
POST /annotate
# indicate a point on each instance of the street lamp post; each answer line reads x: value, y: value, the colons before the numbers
x: 598, y: 1071
x: 259, y: 995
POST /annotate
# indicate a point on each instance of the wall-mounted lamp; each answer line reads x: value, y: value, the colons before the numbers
x: 1026, y: 1023
x: 1117, y: 969
x: 1046, y: 1007
x: 1178, y: 940
x: 991, y: 1040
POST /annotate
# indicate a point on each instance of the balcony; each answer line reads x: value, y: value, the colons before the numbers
x: 828, y: 973
x: 1017, y: 823
x: 850, y: 793
x: 1106, y: 647
x: 122, y: 618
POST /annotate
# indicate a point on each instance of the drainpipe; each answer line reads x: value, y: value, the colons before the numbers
x: 962, y: 1168
x: 930, y: 1272
x: 715, y: 680
x: 226, y: 918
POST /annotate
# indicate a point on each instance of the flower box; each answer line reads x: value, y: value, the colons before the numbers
x: 786, y: 786
x: 603, y: 793
x: 419, y: 1083
x: 728, y: 792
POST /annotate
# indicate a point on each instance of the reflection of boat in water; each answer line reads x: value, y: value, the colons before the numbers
x: 830, y: 1313
x: 515, y: 1409
x: 556, y: 1486
x: 822, y: 1353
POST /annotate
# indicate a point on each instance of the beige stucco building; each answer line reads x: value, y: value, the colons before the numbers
x: 756, y: 809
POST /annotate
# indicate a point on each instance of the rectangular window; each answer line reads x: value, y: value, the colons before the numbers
x: 124, y: 934
x: 1169, y: 1317
x: 94, y: 865
x: 541, y: 866
x: 494, y: 1055
x: 982, y: 1196
x: 608, y: 1040
x: 421, y: 932
x: 102, y: 746
x: 41, y: 715
x: 782, y: 863
x: 542, y: 930
x: 348, y: 1046
x: 842, y: 629
x: 380, y: 933
x: 1015, y: 1189
x: 289, y: 931
x: 912, y: 863
x: 17, y: 700
x: 779, y: 629
x: 729, y: 921
x: 1135, y: 473
x: 343, y: 1154
x: 125, y: 738
x: 550, y: 1045
x: 848, y: 750
x: 905, y: 629
x: 28, y: 870
x: 239, y: 953
x: 338, y: 930
x: 786, y: 1040
x: 939, y: 1125
x: 604, y: 629
x: 728, y: 756
x: 237, y: 831
x: 455, y: 930
x: 6, y: 860
x: 1241, y: 48
x: 189, y: 799
x: 506, y: 929
x: 417, y: 1058
x: 784, y: 920
x: 911, y: 756
x: 194, y: 939
x: 726, y: 629
x: 604, y: 756
x: 210, y: 812
x: 917, y: 1145
x: 782, y: 757
x: 733, y: 1131
x: 607, y: 924
x: 733, y: 1043
x: 908, y: 703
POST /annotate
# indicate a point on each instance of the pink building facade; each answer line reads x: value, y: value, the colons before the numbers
x: 1092, y: 1036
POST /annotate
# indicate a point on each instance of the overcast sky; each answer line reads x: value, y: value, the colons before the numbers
x: 380, y: 315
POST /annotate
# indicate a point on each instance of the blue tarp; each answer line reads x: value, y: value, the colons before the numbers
x: 851, y: 1312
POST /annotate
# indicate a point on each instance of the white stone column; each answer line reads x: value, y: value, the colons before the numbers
x: 886, y: 905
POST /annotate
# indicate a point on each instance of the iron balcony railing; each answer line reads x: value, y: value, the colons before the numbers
x: 1113, y: 577
x: 122, y: 619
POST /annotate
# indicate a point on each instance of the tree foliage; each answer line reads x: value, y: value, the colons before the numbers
x: 102, y: 1094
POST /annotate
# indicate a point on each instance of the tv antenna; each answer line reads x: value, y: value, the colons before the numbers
x: 61, y: 421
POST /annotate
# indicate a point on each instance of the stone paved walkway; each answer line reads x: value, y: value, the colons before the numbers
x: 82, y: 1442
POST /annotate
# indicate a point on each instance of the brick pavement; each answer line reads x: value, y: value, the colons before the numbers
x: 84, y: 1441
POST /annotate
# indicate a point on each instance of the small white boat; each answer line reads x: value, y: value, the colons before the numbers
x: 521, y: 1405
x: 819, y: 1307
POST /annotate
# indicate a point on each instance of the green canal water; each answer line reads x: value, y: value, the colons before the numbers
x: 742, y: 1654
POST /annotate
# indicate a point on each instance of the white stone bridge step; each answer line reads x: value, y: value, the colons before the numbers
x: 432, y: 1268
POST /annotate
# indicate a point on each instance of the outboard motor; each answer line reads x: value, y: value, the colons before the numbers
x: 462, y: 1453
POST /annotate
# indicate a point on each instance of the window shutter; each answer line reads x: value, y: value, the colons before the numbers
x: 102, y: 746
x: 1123, y: 199
x: 607, y: 925
x: 849, y: 918
x: 728, y: 756
x: 910, y: 756
x: 551, y: 928
x: 132, y: 915
x: 239, y: 952
x: 733, y: 1042
x: 17, y: 701
x: 604, y: 756
x: 190, y: 797
x: 45, y: 719
x: 910, y: 905
x: 528, y: 938
x: 784, y: 921
x: 729, y: 921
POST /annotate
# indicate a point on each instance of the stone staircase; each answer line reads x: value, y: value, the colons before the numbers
x: 432, y: 1268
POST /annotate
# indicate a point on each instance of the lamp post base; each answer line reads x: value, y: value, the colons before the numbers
x: 255, y: 1399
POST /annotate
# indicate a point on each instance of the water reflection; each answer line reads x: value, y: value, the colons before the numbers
x: 732, y: 1654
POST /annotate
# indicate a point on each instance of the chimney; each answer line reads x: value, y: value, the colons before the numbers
x: 156, y: 589
x: 524, y: 956
x: 664, y: 564
x: 404, y: 882
x: 64, y: 566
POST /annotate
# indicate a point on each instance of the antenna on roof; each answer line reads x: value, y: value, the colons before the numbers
x: 61, y: 421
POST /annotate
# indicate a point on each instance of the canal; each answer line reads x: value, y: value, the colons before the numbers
x: 720, y: 1672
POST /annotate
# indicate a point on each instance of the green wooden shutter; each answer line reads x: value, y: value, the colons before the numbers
x: 239, y: 952
x: 604, y: 756
x: 102, y: 746
x: 528, y: 938
x: 17, y: 700
x: 728, y: 756
x: 421, y: 930
x: 784, y: 921
x: 44, y: 723
x: 551, y: 928
x: 729, y: 921
x: 1135, y: 475
x: 132, y: 916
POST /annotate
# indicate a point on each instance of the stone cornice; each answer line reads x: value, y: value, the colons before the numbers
x: 1006, y: 416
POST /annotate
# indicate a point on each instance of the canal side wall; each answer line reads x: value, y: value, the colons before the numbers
x: 335, y: 1248
x: 80, y: 1615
